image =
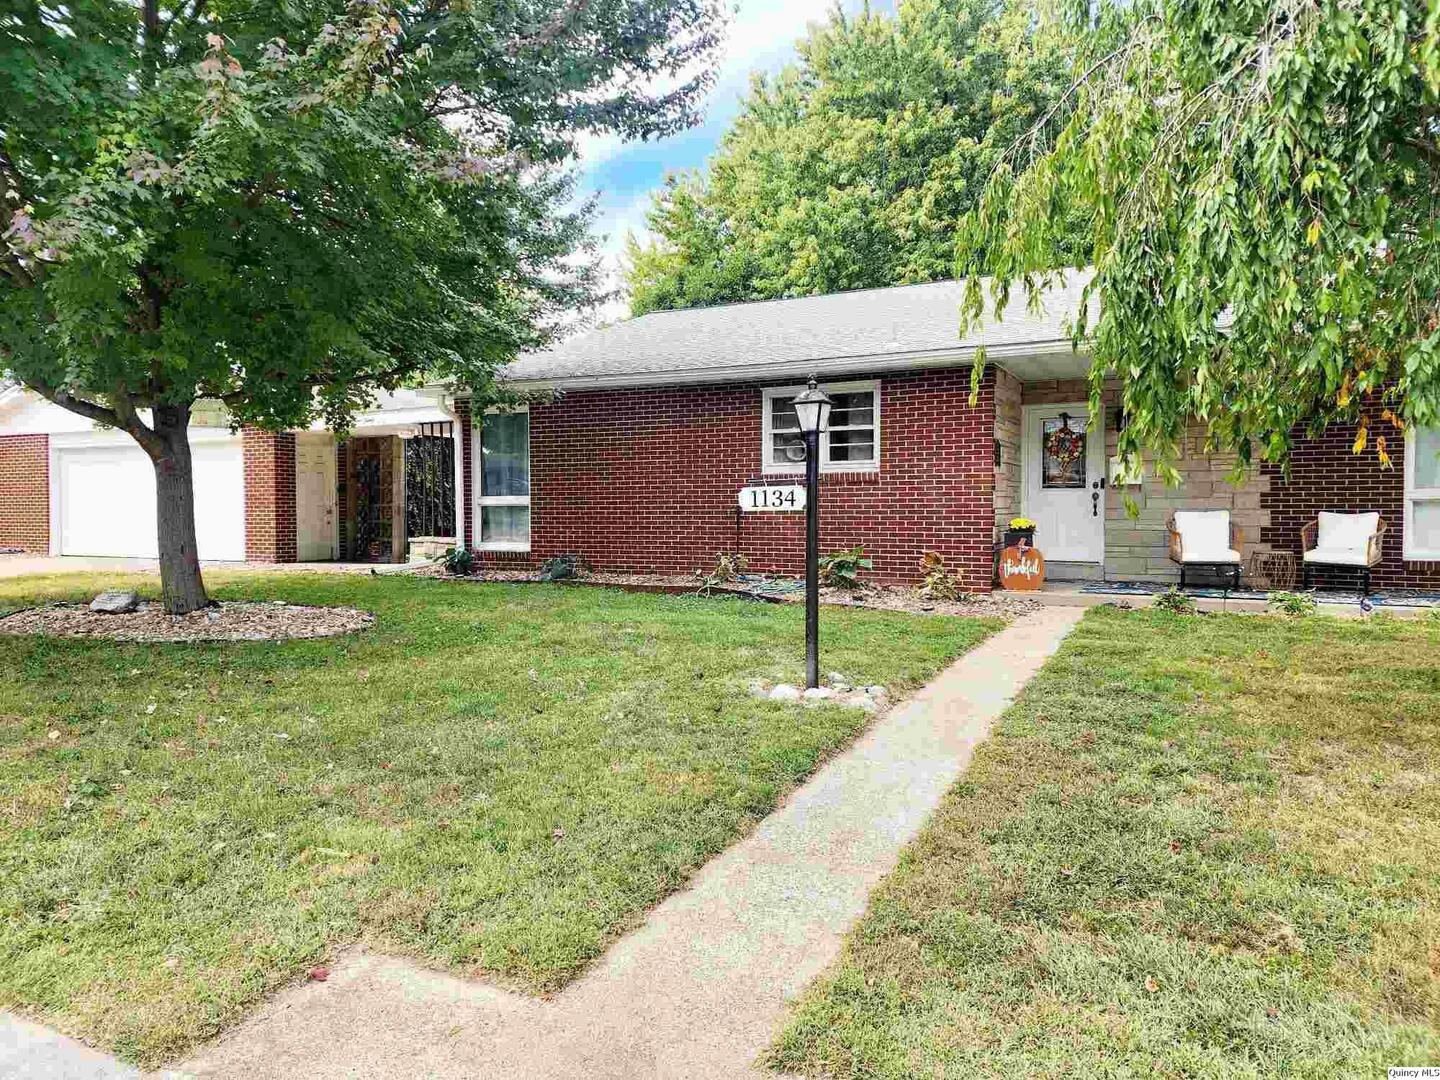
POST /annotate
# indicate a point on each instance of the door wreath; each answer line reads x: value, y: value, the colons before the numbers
x: 1064, y: 444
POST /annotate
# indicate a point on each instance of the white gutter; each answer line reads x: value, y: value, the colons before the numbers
x: 790, y: 369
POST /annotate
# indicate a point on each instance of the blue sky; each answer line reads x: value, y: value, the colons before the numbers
x: 762, y: 38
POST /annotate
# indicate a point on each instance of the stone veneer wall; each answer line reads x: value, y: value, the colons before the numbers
x: 1137, y: 548
x: 1009, y: 426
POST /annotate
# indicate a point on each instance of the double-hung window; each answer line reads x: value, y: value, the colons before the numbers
x: 503, y: 500
x: 852, y: 441
x: 1422, y: 494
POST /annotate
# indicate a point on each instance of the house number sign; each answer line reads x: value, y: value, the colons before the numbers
x: 790, y: 497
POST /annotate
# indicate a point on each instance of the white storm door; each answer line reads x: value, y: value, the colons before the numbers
x: 1064, y: 490
x: 315, y: 498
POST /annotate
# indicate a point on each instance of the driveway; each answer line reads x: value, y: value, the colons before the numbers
x: 13, y: 566
x: 25, y: 565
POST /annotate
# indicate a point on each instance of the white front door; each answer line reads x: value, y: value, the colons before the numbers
x: 1064, y: 489
x: 315, y: 498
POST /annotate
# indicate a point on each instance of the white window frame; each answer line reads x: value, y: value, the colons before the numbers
x: 1412, y: 548
x: 767, y: 447
x: 482, y: 500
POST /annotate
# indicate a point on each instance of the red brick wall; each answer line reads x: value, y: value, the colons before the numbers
x: 462, y: 417
x: 646, y: 480
x: 270, y: 534
x: 25, y: 492
x: 1326, y: 475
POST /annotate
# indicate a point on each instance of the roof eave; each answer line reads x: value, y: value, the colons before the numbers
x: 831, y: 365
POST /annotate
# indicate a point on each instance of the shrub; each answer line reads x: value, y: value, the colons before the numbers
x: 842, y: 569
x: 457, y: 561
x: 1173, y: 600
x: 937, y: 583
x: 563, y: 567
x: 729, y: 565
x: 1291, y: 603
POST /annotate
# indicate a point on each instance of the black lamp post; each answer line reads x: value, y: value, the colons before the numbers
x: 812, y: 407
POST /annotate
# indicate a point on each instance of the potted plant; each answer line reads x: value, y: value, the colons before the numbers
x: 1020, y: 528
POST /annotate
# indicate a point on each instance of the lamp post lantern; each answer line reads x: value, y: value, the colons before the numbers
x: 812, y: 407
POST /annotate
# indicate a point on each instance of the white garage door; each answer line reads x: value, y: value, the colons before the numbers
x: 106, y: 500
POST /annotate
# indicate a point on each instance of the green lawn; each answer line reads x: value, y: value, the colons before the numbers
x: 496, y: 779
x: 1195, y: 847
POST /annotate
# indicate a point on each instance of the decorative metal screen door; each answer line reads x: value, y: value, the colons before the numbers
x: 372, y: 506
x: 430, y: 482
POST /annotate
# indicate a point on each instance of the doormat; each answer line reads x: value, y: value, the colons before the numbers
x: 1392, y: 598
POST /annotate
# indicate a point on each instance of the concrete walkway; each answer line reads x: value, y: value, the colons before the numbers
x: 700, y: 989
x: 29, y: 1050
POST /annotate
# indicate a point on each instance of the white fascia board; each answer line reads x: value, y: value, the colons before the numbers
x: 1006, y: 355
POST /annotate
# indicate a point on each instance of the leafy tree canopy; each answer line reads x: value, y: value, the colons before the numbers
x: 849, y: 168
x: 287, y: 204
x: 1262, y: 178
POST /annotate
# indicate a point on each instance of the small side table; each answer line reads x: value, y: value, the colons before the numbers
x: 1273, y: 570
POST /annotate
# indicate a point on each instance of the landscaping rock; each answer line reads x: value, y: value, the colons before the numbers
x: 861, y: 701
x: 116, y: 602
x: 785, y: 692
x: 818, y: 693
x: 878, y: 692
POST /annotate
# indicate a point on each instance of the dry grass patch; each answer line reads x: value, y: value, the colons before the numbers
x: 1196, y: 847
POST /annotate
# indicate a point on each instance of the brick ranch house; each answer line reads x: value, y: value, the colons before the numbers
x: 639, y: 436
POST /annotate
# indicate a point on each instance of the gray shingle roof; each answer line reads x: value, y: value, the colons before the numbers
x: 778, y: 337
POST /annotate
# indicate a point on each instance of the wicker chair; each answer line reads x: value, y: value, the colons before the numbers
x: 1199, y: 538
x: 1351, y: 541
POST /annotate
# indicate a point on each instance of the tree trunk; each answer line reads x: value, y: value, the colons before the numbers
x: 181, y: 586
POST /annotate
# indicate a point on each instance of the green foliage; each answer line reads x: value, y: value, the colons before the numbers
x: 1175, y: 601
x: 937, y: 582
x: 1263, y: 179
x: 848, y: 169
x: 563, y: 568
x: 841, y: 570
x: 286, y: 206
x: 1292, y: 603
x: 458, y: 561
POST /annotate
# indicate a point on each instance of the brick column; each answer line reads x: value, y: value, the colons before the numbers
x: 25, y: 492
x: 465, y: 496
x: 270, y: 534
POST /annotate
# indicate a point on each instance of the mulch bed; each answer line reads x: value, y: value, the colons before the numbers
x: 788, y: 590
x: 276, y: 621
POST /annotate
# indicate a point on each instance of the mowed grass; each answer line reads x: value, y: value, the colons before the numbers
x: 1195, y: 847
x: 495, y: 779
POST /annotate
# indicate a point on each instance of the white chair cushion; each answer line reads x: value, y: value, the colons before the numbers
x: 1225, y: 555
x: 1346, y: 532
x: 1204, y: 532
x: 1337, y: 556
